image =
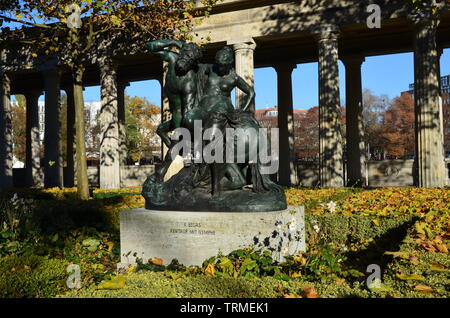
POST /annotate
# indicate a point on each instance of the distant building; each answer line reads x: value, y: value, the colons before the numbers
x: 268, y: 117
x: 91, y: 109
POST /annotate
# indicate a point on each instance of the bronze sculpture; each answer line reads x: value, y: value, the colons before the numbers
x: 201, y: 93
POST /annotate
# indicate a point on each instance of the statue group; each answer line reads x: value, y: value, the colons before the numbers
x: 199, y: 95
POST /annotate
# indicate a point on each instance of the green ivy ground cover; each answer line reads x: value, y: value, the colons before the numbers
x: 405, y: 231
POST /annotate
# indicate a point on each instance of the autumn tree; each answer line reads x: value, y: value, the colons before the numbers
x: 374, y: 108
x: 307, y: 135
x: 142, y: 120
x: 74, y: 30
x: 19, y: 118
x: 398, y: 127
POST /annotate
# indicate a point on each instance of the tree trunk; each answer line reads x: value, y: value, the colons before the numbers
x: 81, y: 164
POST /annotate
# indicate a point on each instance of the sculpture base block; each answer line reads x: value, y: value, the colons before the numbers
x: 193, y: 237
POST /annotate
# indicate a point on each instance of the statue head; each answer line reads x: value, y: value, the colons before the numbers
x: 225, y: 60
x: 189, y: 56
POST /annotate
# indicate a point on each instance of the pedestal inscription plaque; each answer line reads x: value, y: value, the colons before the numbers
x: 193, y: 237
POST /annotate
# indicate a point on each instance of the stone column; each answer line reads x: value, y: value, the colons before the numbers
x: 331, y: 152
x: 430, y: 161
x: 71, y: 145
x: 53, y: 174
x: 122, y: 127
x: 6, y: 143
x: 244, y: 65
x: 165, y: 107
x: 356, y: 155
x: 109, y: 137
x: 33, y: 154
x: 287, y: 173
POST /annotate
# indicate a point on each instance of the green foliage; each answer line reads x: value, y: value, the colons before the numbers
x: 31, y: 276
x: 243, y: 263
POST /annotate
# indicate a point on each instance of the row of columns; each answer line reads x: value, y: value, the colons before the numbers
x: 429, y: 143
x: 113, y: 151
x: 430, y: 168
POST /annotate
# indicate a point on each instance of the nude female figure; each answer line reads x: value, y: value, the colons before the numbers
x: 216, y: 100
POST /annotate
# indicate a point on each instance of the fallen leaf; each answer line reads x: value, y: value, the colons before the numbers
x: 291, y: 295
x: 398, y: 254
x: 423, y: 288
x: 309, y: 292
x: 438, y: 268
x: 410, y: 277
x: 210, y: 270
x: 376, y: 222
x: 442, y: 248
x: 157, y: 261
x: 114, y: 283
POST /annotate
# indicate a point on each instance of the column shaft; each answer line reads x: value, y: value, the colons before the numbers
x: 331, y: 152
x: 33, y: 155
x: 165, y: 107
x: 356, y: 157
x: 287, y: 163
x: 244, y: 65
x: 53, y: 161
x: 109, y: 139
x: 430, y: 163
x: 122, y: 126
x: 71, y: 145
x: 6, y: 142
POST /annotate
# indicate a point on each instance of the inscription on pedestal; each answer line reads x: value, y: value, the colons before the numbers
x: 192, y: 237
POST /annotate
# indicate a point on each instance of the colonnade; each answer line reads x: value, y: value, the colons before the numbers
x: 430, y: 168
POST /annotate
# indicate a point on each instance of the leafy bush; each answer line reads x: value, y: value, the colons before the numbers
x: 31, y: 276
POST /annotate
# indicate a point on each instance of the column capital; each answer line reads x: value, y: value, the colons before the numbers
x: 33, y: 93
x: 353, y: 59
x: 242, y: 44
x: 107, y: 63
x: 122, y: 85
x: 326, y: 32
x: 54, y: 71
x: 285, y: 67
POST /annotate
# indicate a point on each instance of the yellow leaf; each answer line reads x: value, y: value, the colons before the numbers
x: 132, y: 269
x: 309, y: 292
x: 398, y: 254
x: 442, y: 248
x: 423, y: 288
x: 210, y: 270
x: 157, y: 261
x: 376, y: 222
x: 110, y: 246
x: 438, y: 268
x: 114, y: 283
x: 410, y: 277
x: 291, y: 295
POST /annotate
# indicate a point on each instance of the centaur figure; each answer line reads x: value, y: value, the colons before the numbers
x: 180, y: 88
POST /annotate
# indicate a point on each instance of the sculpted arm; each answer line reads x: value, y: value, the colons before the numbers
x: 160, y: 48
x: 247, y: 89
x: 189, y: 97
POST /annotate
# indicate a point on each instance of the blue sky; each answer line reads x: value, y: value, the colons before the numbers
x: 387, y: 74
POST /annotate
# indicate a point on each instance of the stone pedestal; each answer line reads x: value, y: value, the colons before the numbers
x: 193, y: 237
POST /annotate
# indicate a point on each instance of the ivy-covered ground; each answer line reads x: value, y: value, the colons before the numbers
x: 404, y: 231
